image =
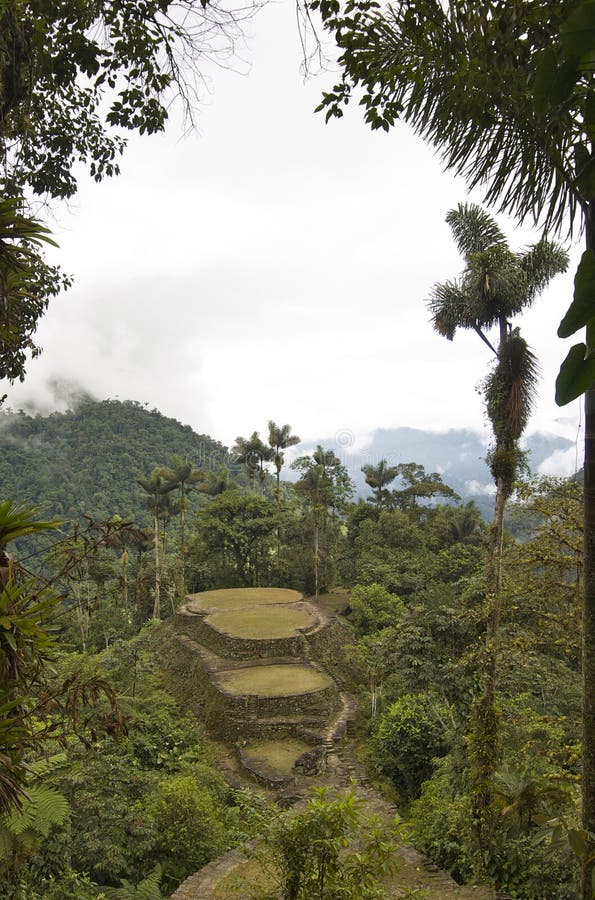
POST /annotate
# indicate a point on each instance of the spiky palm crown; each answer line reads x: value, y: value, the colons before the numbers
x: 497, y: 283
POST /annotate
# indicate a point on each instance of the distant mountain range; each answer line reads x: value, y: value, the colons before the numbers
x: 458, y: 455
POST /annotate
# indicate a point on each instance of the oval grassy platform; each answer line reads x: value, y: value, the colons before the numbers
x: 261, y: 622
x: 237, y: 598
x: 273, y: 681
x: 280, y: 755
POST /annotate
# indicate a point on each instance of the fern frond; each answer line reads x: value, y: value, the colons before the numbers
x: 43, y: 808
x: 147, y: 889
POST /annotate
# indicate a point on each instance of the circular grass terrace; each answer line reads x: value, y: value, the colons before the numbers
x: 277, y: 680
x: 278, y: 756
x: 229, y: 599
x: 262, y: 622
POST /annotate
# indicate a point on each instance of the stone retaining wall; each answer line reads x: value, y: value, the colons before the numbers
x: 234, y: 647
x: 231, y: 647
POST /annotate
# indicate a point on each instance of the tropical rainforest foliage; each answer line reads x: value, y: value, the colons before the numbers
x: 466, y: 642
x: 85, y: 461
x: 121, y: 779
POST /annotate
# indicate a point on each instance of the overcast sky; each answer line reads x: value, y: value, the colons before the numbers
x: 272, y: 266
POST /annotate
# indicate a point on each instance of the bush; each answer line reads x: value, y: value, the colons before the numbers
x: 409, y: 737
x: 373, y: 608
x: 305, y: 852
x: 190, y: 825
x: 521, y: 864
x: 439, y: 824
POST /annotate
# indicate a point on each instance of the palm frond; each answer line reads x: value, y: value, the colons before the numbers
x: 540, y: 263
x: 462, y: 80
x: 18, y: 520
x: 494, y: 285
x: 474, y: 230
x: 449, y: 308
x: 43, y: 808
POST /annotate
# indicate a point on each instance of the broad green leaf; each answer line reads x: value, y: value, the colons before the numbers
x: 9, y: 638
x: 553, y: 82
x: 578, y: 34
x: 582, y: 308
x: 589, y: 114
x: 578, y: 841
x: 576, y: 375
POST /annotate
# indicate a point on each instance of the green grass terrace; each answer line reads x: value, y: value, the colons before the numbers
x: 275, y: 680
x: 239, y: 598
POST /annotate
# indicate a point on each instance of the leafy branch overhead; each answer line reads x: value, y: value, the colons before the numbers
x: 27, y: 283
x: 74, y: 76
x: 74, y: 79
x: 459, y: 77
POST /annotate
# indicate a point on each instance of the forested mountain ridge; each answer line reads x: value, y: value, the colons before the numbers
x: 85, y: 461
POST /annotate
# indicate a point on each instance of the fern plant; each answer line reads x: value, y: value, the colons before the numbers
x: 147, y: 889
x: 21, y: 831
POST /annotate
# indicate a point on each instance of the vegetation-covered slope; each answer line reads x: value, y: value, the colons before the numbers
x: 85, y: 461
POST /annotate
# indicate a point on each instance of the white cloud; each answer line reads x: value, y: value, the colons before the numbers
x: 274, y: 267
x: 561, y: 463
x: 476, y: 487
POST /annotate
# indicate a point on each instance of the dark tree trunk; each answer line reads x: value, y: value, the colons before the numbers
x: 157, y: 600
x: 588, y: 653
x: 484, y: 738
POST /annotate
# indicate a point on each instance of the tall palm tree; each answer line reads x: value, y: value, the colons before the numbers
x: 182, y: 475
x: 157, y: 487
x: 378, y: 477
x: 253, y: 453
x: 280, y: 438
x: 497, y: 283
x: 325, y: 486
x: 481, y: 82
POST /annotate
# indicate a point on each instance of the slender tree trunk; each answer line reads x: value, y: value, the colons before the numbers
x: 137, y: 600
x: 183, y: 538
x: 5, y: 568
x: 278, y: 530
x: 82, y: 615
x: 588, y: 654
x: 125, y: 584
x: 157, y: 601
x: 484, y: 739
x: 316, y: 556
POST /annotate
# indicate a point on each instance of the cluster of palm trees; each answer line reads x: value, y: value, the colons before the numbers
x: 255, y: 453
x: 161, y: 486
x: 167, y: 489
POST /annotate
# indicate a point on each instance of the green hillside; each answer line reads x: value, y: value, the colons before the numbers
x: 84, y: 461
